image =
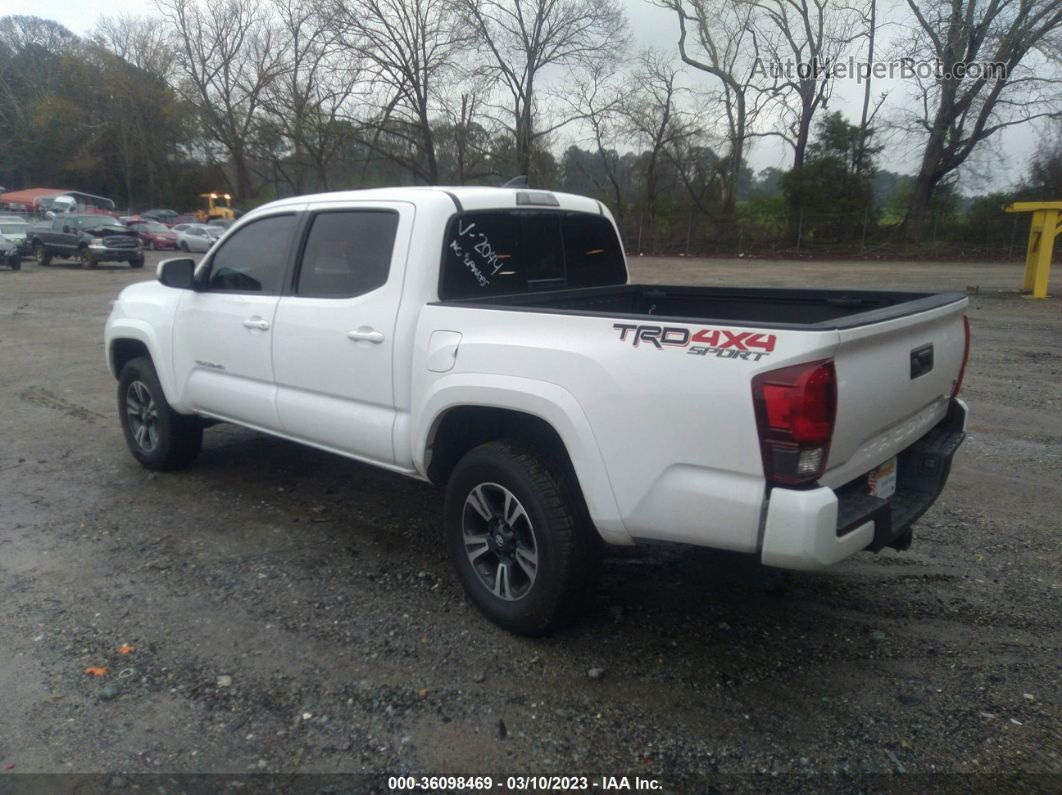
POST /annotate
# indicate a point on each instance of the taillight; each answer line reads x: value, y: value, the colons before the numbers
x: 795, y: 411
x: 965, y: 356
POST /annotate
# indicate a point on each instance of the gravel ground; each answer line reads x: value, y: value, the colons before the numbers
x: 294, y: 612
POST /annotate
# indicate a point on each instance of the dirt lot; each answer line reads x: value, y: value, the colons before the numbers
x: 294, y: 612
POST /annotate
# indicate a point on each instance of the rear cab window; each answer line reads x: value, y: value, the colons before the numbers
x: 501, y: 252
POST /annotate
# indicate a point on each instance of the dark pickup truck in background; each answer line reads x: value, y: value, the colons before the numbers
x: 90, y: 239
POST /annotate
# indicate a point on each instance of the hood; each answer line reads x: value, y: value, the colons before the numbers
x: 110, y: 229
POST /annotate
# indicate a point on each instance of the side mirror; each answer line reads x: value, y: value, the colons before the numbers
x: 178, y: 273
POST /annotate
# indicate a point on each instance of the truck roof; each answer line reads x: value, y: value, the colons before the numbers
x: 463, y: 197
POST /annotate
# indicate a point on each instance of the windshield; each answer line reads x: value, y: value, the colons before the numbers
x: 13, y: 229
x: 154, y: 228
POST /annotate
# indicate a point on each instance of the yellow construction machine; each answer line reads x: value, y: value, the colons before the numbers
x: 216, y: 207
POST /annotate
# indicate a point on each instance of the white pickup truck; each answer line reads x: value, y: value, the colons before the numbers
x: 488, y: 340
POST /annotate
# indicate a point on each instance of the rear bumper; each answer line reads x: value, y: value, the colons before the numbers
x: 815, y: 528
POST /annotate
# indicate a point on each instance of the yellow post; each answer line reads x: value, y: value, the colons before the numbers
x: 1043, y: 229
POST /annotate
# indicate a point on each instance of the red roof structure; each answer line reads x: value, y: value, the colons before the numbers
x: 30, y: 195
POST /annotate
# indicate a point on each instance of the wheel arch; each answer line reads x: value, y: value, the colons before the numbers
x: 461, y: 416
x: 129, y: 339
x: 123, y: 350
x: 461, y: 428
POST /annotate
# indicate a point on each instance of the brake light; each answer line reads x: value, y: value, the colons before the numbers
x: 795, y: 412
x: 965, y: 356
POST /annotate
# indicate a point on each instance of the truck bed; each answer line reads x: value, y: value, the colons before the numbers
x: 761, y: 307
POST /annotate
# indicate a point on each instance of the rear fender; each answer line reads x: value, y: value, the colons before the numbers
x: 548, y: 402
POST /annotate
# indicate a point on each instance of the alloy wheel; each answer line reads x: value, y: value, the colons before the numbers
x: 143, y: 416
x: 499, y: 540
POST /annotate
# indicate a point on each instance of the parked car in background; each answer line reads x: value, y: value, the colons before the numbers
x: 197, y: 237
x: 16, y: 230
x: 154, y: 235
x: 9, y: 253
x: 91, y: 239
x: 168, y: 217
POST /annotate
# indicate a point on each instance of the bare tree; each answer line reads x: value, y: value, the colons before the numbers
x: 964, y: 105
x: 811, y: 36
x: 524, y: 38
x: 145, y: 43
x: 464, y: 140
x: 655, y: 119
x: 596, y: 99
x: 702, y: 173
x: 408, y: 46
x: 139, y: 69
x: 226, y: 60
x: 806, y: 38
x: 315, y: 82
x: 726, y: 46
x: 869, y: 17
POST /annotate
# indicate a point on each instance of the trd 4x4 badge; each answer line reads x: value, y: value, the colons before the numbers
x: 722, y: 343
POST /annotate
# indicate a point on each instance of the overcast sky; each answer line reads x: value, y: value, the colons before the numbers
x: 1000, y: 168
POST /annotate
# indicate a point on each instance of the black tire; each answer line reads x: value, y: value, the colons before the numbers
x: 158, y: 437
x: 556, y: 530
x: 41, y: 254
x: 184, y: 246
x: 16, y: 265
x: 137, y: 263
x: 86, y: 259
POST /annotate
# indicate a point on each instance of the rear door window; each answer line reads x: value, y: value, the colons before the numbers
x: 499, y: 252
x: 347, y: 253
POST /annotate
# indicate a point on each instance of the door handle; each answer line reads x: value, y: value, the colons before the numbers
x: 256, y: 322
x: 366, y: 334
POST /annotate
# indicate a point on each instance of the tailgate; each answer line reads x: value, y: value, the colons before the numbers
x: 894, y: 382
